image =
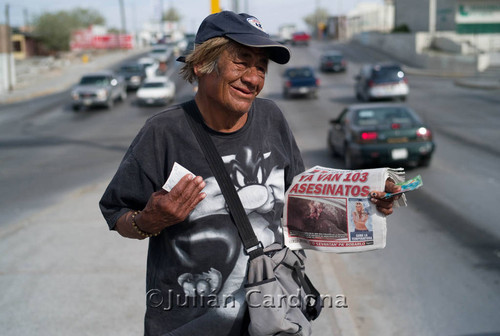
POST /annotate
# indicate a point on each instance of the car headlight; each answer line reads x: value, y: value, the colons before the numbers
x: 102, y: 94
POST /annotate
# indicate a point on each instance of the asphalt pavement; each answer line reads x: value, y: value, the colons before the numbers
x: 62, y: 272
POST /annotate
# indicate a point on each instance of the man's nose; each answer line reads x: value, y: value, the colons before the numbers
x: 251, y: 76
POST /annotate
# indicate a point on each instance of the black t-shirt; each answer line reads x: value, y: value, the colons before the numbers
x: 196, y: 269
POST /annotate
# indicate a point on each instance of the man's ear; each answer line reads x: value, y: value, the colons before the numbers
x: 196, y: 69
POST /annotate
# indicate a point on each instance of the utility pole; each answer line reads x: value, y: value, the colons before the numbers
x: 432, y: 17
x: 26, y: 18
x: 122, y: 15
x: 236, y: 6
x: 9, y: 49
x: 124, y: 27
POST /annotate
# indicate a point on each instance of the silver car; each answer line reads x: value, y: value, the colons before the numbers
x: 98, y: 89
x: 381, y: 81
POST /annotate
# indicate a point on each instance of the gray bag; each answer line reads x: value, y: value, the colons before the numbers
x: 281, y: 299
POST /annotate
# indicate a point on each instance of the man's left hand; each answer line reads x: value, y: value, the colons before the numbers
x: 385, y: 205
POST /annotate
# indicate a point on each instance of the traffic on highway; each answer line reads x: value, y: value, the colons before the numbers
x: 440, y: 271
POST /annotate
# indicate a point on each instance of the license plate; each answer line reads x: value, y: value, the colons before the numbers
x: 399, y: 154
x: 303, y: 90
x: 150, y: 101
x: 87, y: 102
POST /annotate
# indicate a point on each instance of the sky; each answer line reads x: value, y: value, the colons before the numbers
x: 271, y: 13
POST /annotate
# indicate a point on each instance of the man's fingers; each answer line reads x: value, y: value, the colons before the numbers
x: 187, y: 187
x: 390, y: 187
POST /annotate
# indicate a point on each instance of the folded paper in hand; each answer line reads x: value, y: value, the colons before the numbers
x: 330, y: 210
x: 176, y: 174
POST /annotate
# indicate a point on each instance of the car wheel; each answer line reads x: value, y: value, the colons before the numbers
x: 76, y: 108
x: 358, y: 96
x: 286, y: 94
x: 110, y: 103
x: 329, y: 145
x: 425, y: 161
x: 349, y: 160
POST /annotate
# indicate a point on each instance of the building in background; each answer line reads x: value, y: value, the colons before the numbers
x: 461, y: 16
x: 367, y: 17
x: 467, y: 27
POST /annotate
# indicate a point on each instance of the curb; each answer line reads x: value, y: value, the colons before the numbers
x: 478, y: 84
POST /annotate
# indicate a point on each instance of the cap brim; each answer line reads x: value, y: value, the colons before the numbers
x: 277, y: 51
x: 181, y: 59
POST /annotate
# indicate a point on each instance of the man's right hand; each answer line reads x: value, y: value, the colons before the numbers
x: 165, y: 208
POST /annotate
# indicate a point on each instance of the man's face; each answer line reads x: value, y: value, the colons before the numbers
x: 238, y: 80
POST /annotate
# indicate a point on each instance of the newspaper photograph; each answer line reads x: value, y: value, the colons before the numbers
x: 329, y: 209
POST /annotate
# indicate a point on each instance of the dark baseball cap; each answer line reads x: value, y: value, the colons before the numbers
x: 242, y: 28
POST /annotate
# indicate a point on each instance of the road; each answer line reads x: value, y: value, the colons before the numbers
x: 438, y: 275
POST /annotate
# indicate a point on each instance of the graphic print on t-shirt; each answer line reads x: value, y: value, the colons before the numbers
x: 260, y: 186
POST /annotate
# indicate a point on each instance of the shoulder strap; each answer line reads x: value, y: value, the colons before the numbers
x: 253, y: 246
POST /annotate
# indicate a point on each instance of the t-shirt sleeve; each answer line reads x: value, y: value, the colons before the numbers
x: 134, y: 181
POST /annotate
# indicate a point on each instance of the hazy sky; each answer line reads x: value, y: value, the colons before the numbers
x: 271, y: 13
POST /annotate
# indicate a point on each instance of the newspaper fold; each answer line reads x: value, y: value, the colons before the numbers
x: 329, y: 209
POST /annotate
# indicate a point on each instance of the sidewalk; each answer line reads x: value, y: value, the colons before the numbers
x: 62, y: 78
x: 63, y: 273
x: 473, y: 81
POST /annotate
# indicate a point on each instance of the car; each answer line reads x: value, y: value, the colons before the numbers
x: 156, y: 91
x: 300, y: 80
x: 332, y: 61
x: 380, y: 134
x: 300, y: 38
x: 161, y: 53
x: 381, y: 81
x: 150, y: 66
x: 98, y: 89
x: 133, y: 73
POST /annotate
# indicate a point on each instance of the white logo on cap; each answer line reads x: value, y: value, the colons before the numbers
x: 256, y: 23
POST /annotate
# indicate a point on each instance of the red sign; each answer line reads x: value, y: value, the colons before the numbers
x: 86, y: 39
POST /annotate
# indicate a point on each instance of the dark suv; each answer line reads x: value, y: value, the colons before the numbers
x: 381, y: 81
x: 134, y: 74
x: 332, y: 61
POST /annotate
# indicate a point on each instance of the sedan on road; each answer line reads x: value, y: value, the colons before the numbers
x: 98, y: 89
x: 332, y: 61
x: 380, y: 134
x: 156, y: 91
x: 381, y: 81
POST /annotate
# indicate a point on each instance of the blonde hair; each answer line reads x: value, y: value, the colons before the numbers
x: 206, y: 54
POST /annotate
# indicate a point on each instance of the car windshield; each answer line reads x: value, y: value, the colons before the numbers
x: 382, y: 116
x: 304, y: 72
x: 153, y: 85
x: 333, y: 58
x: 95, y: 80
x: 130, y: 68
x: 159, y: 51
x: 388, y: 73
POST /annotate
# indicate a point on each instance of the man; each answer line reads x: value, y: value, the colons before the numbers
x: 196, y: 265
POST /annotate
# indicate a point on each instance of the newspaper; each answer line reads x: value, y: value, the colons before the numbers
x: 330, y: 210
